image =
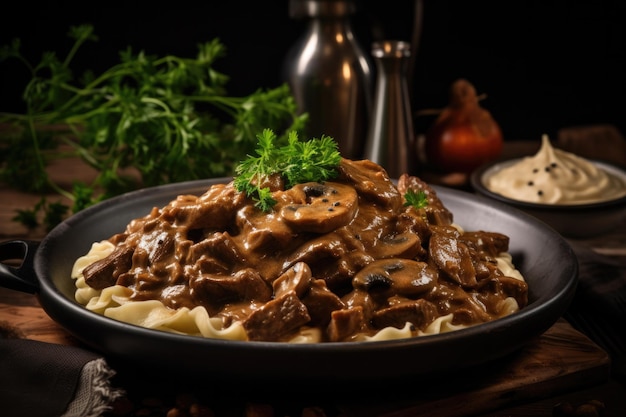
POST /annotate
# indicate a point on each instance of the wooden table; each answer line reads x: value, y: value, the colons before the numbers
x: 562, y: 365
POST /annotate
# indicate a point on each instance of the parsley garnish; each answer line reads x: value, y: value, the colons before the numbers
x: 296, y: 162
x: 415, y: 199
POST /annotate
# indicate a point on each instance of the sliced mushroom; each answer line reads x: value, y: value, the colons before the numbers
x: 328, y: 206
x: 371, y: 183
x: 329, y: 259
x: 396, y: 276
x: 324, y: 248
x: 404, y: 245
x: 262, y: 231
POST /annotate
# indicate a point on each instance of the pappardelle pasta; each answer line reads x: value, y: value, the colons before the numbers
x: 339, y: 261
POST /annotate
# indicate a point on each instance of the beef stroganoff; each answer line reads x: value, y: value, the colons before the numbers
x: 334, y: 261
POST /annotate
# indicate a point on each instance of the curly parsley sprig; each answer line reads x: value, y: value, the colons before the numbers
x: 416, y: 199
x: 296, y: 162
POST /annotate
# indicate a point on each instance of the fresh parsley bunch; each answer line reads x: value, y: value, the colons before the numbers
x: 295, y: 161
x: 165, y: 119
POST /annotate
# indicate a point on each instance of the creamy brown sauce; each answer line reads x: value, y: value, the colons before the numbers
x: 346, y: 257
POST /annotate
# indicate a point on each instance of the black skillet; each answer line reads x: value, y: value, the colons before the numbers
x: 543, y: 256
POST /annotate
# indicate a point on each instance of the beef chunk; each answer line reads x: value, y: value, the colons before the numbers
x: 453, y: 258
x: 321, y: 302
x: 243, y: 285
x: 276, y: 318
x: 420, y: 313
x: 491, y: 243
x: 344, y: 323
x: 435, y: 211
x: 104, y: 273
x: 215, y: 209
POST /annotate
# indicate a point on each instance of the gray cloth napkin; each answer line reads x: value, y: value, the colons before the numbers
x: 39, y: 379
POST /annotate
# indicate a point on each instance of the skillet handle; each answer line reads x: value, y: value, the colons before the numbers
x: 21, y: 278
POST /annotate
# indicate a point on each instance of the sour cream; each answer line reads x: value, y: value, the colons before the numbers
x: 553, y: 176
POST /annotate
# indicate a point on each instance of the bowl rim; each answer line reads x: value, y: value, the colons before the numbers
x: 478, y: 175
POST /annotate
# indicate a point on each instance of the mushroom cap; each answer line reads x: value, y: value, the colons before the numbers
x: 325, y: 207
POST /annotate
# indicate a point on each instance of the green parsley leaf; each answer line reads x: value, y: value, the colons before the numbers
x: 296, y: 162
x: 415, y: 199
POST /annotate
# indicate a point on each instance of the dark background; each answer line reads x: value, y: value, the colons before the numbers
x: 543, y: 65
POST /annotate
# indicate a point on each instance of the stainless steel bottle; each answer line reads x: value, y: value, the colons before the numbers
x: 391, y: 138
x: 330, y: 75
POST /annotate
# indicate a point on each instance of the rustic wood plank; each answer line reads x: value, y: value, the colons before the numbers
x: 33, y: 323
x: 560, y: 360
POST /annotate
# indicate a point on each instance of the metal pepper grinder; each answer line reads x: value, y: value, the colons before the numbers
x: 330, y: 75
x: 391, y: 138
